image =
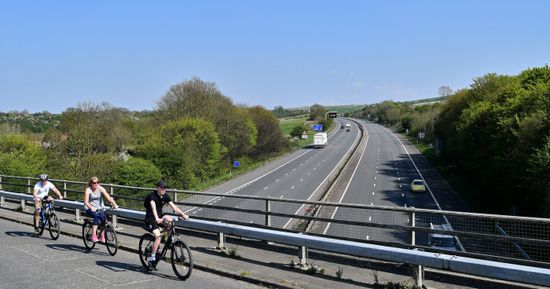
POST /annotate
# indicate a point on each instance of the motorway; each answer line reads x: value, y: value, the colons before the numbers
x: 296, y: 176
x: 39, y: 262
x: 382, y: 178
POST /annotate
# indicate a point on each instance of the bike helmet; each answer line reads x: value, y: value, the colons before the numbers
x: 44, y: 177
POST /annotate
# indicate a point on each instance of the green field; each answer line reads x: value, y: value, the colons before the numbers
x: 287, y: 124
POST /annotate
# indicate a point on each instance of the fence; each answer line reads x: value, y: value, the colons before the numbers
x: 519, y: 240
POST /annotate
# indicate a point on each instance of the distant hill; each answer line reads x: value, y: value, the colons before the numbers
x: 424, y: 100
x: 24, y: 122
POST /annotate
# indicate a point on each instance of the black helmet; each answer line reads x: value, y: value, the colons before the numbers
x: 162, y: 184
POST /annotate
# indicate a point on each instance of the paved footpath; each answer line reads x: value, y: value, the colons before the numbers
x: 258, y: 263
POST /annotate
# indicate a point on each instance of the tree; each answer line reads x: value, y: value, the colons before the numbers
x: 270, y: 137
x: 88, y: 140
x: 445, y: 91
x: 186, y: 151
x: 20, y: 157
x: 199, y: 99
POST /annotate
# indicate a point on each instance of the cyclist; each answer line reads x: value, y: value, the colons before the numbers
x: 93, y: 200
x: 153, y: 216
x: 40, y: 192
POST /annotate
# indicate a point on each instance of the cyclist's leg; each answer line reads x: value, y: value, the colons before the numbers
x: 37, y: 209
x: 103, y: 219
x: 154, y: 228
x: 95, y: 223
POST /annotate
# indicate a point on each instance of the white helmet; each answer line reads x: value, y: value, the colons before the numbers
x: 44, y: 177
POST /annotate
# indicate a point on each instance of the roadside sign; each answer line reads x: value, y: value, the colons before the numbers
x: 304, y: 135
x: 236, y: 164
x: 317, y: 127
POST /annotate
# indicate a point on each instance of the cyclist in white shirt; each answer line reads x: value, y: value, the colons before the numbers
x: 40, y: 192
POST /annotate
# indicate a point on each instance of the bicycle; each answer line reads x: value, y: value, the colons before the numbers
x: 104, y: 226
x: 48, y: 217
x: 180, y: 255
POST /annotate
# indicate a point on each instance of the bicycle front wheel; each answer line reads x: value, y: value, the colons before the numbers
x: 181, y: 259
x: 54, y: 226
x: 87, y: 234
x: 145, y: 246
x: 110, y: 240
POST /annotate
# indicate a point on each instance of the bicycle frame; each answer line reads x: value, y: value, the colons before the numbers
x: 47, y: 207
x: 169, y: 241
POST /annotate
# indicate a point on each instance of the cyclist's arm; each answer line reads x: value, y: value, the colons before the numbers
x: 35, y: 193
x: 109, y: 198
x: 177, y: 210
x: 154, y: 209
x: 57, y: 192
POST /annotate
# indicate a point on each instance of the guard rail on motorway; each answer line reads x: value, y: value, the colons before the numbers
x: 510, y: 239
x: 491, y: 269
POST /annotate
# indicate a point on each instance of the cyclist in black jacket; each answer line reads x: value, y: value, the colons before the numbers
x: 154, y: 217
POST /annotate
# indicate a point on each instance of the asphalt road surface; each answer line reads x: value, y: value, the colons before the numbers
x: 39, y: 262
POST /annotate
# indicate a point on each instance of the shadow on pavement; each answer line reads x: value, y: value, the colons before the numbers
x: 68, y: 247
x: 20, y: 234
x: 121, y: 267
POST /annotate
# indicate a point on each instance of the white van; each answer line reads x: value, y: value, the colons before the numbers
x: 442, y: 241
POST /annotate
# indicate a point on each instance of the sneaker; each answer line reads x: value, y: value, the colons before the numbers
x: 102, y: 237
x: 94, y: 238
x: 152, y: 263
x: 36, y: 230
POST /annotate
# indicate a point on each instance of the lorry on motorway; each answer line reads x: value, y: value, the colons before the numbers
x: 320, y: 139
x: 348, y: 126
x: 441, y: 241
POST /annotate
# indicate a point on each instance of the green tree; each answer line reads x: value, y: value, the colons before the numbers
x: 137, y: 172
x: 89, y: 140
x: 270, y: 137
x: 186, y: 151
x: 20, y: 157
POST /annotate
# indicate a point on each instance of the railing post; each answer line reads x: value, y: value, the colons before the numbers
x: 77, y: 215
x: 221, y: 241
x: 267, y: 215
x: 413, y: 224
x: 2, y: 201
x: 303, y: 255
x: 114, y: 218
x: 28, y: 192
x: 64, y: 189
x: 418, y: 275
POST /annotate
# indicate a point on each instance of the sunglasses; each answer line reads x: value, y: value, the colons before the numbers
x: 94, y: 182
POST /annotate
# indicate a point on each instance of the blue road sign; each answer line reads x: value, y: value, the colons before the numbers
x: 317, y: 127
x: 236, y: 164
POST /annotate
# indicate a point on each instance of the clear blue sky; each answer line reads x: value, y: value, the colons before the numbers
x: 55, y: 54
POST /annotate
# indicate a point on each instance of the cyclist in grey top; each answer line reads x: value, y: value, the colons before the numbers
x: 93, y: 200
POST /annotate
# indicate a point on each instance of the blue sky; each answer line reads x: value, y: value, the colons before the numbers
x: 56, y: 54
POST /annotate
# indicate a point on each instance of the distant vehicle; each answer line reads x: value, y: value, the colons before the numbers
x: 348, y: 126
x: 442, y: 241
x: 342, y: 126
x: 320, y: 139
x: 418, y: 186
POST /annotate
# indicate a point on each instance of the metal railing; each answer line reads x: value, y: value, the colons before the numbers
x: 519, y: 240
x: 491, y: 269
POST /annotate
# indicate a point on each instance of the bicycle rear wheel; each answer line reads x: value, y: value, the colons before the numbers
x: 145, y: 245
x: 40, y: 224
x: 54, y: 226
x: 110, y: 240
x: 87, y: 234
x: 181, y: 259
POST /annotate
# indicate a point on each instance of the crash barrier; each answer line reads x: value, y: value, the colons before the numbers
x: 421, y: 259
